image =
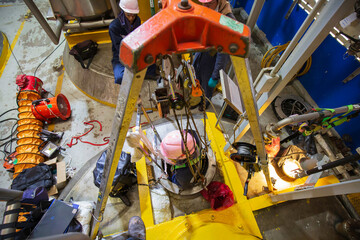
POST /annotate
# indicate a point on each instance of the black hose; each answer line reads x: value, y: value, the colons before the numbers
x: 7, y: 111
x: 8, y: 119
x: 333, y: 164
x: 12, y: 132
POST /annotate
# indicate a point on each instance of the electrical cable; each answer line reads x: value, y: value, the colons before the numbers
x: 8, y: 119
x: 3, y: 144
x: 48, y: 56
x: 11, y: 133
x: 271, y: 54
x: 13, y: 109
x: 12, y: 53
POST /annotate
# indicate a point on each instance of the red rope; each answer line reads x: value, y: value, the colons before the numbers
x: 78, y: 138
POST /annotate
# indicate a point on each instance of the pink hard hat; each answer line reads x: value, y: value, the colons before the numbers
x: 172, y: 146
x: 206, y: 1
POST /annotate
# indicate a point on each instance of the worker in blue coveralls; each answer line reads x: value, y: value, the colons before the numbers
x: 127, y: 21
x: 206, y: 65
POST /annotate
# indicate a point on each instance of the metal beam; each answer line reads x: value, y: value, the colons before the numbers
x: 53, y: 35
x: 127, y: 98
x: 330, y: 15
x: 323, y: 191
x: 297, y: 36
x: 245, y: 83
x: 254, y: 13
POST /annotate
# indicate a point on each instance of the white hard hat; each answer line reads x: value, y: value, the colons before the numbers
x: 129, y: 6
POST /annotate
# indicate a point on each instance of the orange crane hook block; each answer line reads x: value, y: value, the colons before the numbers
x: 182, y: 27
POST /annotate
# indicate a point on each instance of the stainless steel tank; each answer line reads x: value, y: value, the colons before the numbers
x: 80, y: 9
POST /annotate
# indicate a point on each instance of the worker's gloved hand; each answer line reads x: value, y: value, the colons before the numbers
x: 212, y: 83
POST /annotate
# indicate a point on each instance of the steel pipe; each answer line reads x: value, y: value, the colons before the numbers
x: 66, y: 236
x: 94, y: 24
x: 114, y: 8
x: 297, y: 37
x: 8, y: 194
x: 254, y: 13
x: 330, y: 165
x: 54, y: 36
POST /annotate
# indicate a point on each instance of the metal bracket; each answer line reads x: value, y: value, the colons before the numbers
x: 176, y: 30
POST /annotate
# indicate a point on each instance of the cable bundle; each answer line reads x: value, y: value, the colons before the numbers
x: 273, y: 52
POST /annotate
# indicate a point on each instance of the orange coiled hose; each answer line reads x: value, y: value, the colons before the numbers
x: 29, y: 129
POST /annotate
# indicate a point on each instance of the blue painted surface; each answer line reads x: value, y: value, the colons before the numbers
x: 329, y: 66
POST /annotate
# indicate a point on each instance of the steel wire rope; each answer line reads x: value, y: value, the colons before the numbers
x: 48, y: 56
x: 12, y: 53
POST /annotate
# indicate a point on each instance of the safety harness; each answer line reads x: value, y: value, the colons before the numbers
x: 327, y: 122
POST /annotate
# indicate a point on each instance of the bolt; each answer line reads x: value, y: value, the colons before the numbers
x: 219, y: 48
x: 184, y: 5
x: 149, y: 58
x: 233, y: 47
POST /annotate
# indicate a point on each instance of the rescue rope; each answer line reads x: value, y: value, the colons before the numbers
x: 78, y: 138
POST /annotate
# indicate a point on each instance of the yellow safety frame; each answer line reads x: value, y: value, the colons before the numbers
x: 231, y: 223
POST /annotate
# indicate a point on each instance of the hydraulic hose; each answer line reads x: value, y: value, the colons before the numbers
x: 329, y: 165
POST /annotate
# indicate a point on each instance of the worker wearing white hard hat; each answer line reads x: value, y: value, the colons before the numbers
x: 125, y: 23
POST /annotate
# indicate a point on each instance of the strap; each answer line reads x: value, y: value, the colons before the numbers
x: 81, y: 62
x: 350, y: 108
x: 89, y: 62
x: 339, y: 119
x: 192, y: 162
x: 12, y: 211
x: 9, y: 235
x: 8, y: 225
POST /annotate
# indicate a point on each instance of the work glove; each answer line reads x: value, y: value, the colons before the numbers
x: 212, y: 83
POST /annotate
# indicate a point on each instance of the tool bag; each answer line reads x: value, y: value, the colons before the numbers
x: 124, y: 177
x: 38, y: 176
x: 84, y: 50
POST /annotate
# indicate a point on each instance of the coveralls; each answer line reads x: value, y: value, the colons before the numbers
x: 208, y: 66
x: 118, y: 29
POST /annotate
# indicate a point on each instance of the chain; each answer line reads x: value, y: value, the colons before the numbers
x: 186, y: 148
